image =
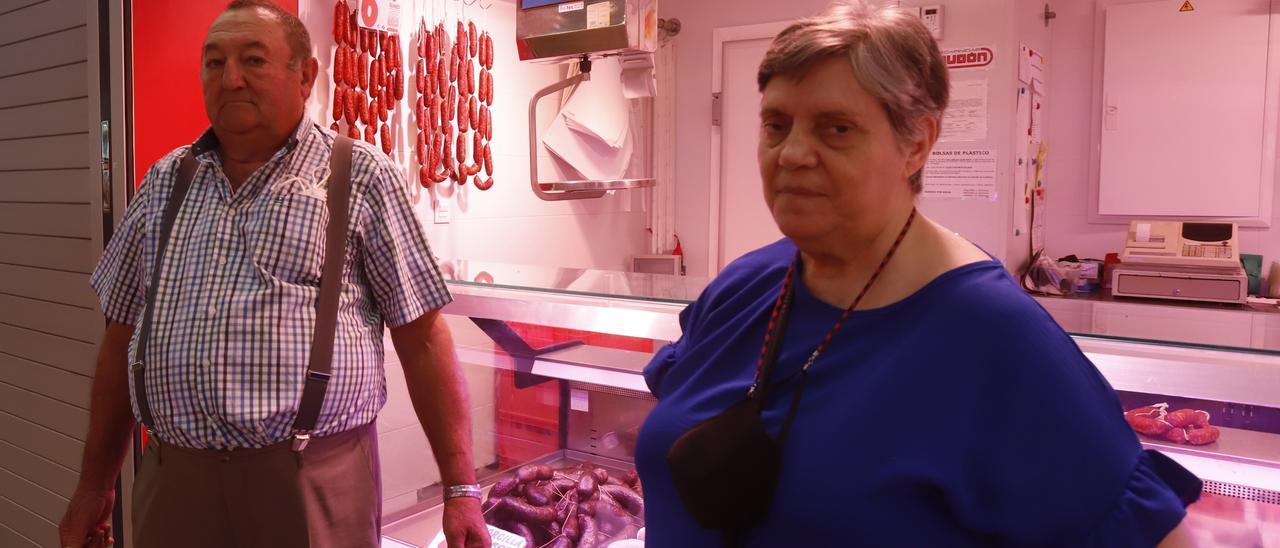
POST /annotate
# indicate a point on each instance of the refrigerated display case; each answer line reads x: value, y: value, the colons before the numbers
x: 562, y: 351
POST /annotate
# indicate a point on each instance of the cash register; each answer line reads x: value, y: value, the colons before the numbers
x: 1189, y: 261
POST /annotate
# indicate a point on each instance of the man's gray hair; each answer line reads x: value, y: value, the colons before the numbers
x: 892, y: 54
x: 295, y: 33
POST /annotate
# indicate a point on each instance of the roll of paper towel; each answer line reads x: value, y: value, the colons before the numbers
x: 637, y: 75
x: 1143, y: 232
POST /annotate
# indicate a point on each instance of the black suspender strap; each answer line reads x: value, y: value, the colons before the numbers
x: 320, y: 362
x: 186, y: 174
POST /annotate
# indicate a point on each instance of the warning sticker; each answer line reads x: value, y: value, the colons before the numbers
x: 1186, y: 6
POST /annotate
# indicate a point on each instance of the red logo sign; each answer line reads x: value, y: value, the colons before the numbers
x: 969, y: 58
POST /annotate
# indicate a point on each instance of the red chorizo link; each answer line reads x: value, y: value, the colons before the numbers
x: 488, y: 160
x: 1187, y: 417
x: 370, y: 135
x: 339, y: 64
x: 473, y: 36
x: 353, y: 72
x: 420, y: 149
x: 488, y: 92
x: 453, y: 100
x: 383, y: 110
x: 1149, y: 426
x: 349, y: 105
x: 484, y: 184
x: 423, y: 38
x: 338, y: 111
x: 386, y: 139
x: 375, y: 42
x: 339, y: 22
x: 462, y: 39
x: 362, y: 70
x: 1202, y: 435
x: 362, y: 109
x: 433, y: 47
x: 334, y: 127
x: 473, y: 108
x: 353, y: 27
x: 461, y: 154
x: 442, y: 75
x: 424, y: 176
x: 464, y: 121
x: 489, y: 47
x: 471, y: 77
x: 488, y: 129
x: 434, y: 112
x: 420, y: 78
x: 399, y: 84
x: 353, y: 132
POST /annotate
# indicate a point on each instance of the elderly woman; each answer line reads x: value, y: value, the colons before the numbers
x: 874, y: 379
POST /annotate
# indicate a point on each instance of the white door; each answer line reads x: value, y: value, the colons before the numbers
x: 740, y: 220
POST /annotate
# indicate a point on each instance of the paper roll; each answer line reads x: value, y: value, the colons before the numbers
x: 638, y: 82
x: 1143, y: 232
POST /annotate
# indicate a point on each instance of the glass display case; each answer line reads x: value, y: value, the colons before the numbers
x: 554, y: 360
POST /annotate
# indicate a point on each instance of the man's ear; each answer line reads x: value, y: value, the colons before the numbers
x: 310, y: 68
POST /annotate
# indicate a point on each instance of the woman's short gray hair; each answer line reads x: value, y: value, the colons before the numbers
x: 892, y: 54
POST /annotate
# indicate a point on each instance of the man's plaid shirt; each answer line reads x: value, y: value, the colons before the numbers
x: 237, y: 301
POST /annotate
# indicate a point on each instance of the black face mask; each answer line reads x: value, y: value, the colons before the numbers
x: 726, y: 468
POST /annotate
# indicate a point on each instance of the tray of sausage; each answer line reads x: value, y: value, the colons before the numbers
x: 568, y: 500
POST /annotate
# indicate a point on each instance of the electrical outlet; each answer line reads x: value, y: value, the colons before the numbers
x: 442, y: 211
x: 931, y: 16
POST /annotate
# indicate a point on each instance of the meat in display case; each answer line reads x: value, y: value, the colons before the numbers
x: 554, y: 359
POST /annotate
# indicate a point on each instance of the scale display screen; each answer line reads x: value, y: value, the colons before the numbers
x: 526, y: 4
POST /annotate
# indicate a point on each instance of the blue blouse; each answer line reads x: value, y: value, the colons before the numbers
x: 961, y: 415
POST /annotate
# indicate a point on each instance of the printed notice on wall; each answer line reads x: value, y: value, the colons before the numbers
x: 598, y: 15
x: 966, y: 115
x: 961, y: 173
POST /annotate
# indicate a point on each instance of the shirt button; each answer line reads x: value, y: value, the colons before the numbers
x: 204, y: 364
x: 222, y: 261
x: 212, y: 310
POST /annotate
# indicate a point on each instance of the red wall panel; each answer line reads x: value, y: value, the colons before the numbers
x: 168, y: 107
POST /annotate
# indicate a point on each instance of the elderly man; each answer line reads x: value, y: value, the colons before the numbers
x: 218, y: 320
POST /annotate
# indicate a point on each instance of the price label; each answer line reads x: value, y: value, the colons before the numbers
x: 383, y: 15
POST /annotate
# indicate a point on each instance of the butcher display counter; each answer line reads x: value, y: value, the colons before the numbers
x: 553, y: 359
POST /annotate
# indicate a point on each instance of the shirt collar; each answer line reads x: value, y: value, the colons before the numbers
x: 207, y: 144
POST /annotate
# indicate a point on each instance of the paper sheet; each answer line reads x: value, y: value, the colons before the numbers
x: 586, y: 154
x: 598, y: 107
x: 961, y: 173
x: 966, y: 116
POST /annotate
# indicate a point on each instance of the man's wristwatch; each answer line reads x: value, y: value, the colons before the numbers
x: 466, y: 490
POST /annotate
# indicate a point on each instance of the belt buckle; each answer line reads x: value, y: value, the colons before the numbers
x: 300, y: 440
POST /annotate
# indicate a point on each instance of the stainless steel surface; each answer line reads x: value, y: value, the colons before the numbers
x: 552, y: 35
x: 1236, y: 445
x: 581, y: 186
x: 629, y: 317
